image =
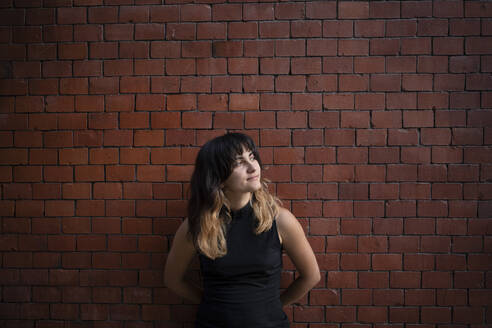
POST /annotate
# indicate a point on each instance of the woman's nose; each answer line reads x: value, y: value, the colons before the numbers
x: 251, y: 166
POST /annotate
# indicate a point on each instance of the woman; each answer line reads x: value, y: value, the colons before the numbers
x: 238, y: 230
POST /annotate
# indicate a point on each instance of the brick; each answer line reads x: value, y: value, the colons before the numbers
x: 43, y: 87
x: 373, y: 173
x: 211, y: 66
x: 432, y: 101
x: 194, y: 13
x: 422, y: 118
x: 27, y: 34
x: 43, y: 156
x: 141, y: 50
x: 343, y: 137
x: 242, y: 30
x: 167, y: 49
x: 180, y: 66
x: 337, y: 28
x: 448, y: 9
x: 104, y: 156
x: 117, y: 32
x: 242, y: 66
x: 192, y: 120
x: 150, y: 31
x: 87, y: 33
x: 396, y: 28
x: 103, y: 50
x: 446, y: 154
x: 180, y: 137
x: 401, y: 64
x: 369, y: 65
x: 386, y: 82
x: 90, y: 207
x: 227, y: 48
x: 353, y: 83
x: 435, y: 136
x: 165, y: 120
x: 275, y: 101
x: 221, y: 84
x: 354, y: 48
x: 349, y: 10
x: 274, y: 66
x: 417, y: 82
x: 178, y: 31
x: 277, y: 137
x: 369, y: 28
x: 149, y: 138
x: 288, y: 83
x: 243, y: 102
x: 306, y: 29
x: 259, y: 48
x: 103, y: 120
x: 384, y: 10
x: 104, y: 85
x: 349, y: 119
x: 476, y: 46
x: 164, y: 84
x: 307, y: 138
x: 463, y: 172
x: 258, y: 83
x: 211, y: 31
x: 162, y: 14
x: 103, y: 15
x: 290, y: 47
x: 260, y: 11
x: 134, y: 14
x: 259, y: 120
x: 196, y: 49
x: 87, y: 68
x: 463, y: 64
x: 132, y: 84
x: 337, y: 65
x: 384, y: 47
x: 416, y: 46
x: 448, y: 46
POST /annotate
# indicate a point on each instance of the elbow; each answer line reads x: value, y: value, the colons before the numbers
x: 311, y: 279
x: 169, y: 278
x: 316, y: 277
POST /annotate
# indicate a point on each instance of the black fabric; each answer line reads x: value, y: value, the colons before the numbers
x: 241, y: 289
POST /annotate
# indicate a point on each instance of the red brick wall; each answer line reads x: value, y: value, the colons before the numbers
x: 374, y: 121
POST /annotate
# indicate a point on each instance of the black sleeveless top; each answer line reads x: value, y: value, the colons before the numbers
x: 241, y: 289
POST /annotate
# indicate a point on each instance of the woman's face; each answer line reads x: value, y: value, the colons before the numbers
x: 245, y: 176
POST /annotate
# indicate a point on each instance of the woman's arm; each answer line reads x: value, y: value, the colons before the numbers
x: 300, y: 252
x: 178, y: 261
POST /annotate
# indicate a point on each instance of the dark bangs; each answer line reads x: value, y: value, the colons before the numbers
x: 226, y: 148
x: 214, y: 164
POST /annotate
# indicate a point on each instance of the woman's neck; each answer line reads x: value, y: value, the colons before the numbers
x: 237, y: 202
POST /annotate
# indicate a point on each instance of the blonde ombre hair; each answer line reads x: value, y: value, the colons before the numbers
x: 208, y: 209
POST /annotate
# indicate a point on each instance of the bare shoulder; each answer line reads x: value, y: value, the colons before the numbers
x: 287, y: 224
x: 182, y: 237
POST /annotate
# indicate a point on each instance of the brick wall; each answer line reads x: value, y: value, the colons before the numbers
x: 374, y: 121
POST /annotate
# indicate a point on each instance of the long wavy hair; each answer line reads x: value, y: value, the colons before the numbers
x: 208, y: 208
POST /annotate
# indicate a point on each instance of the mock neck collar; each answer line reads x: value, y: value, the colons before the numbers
x: 242, y: 212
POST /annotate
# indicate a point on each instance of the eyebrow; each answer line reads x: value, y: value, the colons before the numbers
x: 241, y: 156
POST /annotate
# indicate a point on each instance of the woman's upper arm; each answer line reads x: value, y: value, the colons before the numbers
x: 179, y: 257
x: 296, y: 245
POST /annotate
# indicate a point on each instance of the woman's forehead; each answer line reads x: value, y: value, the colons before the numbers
x: 245, y: 152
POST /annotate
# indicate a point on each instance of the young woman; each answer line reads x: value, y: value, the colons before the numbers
x: 238, y: 230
